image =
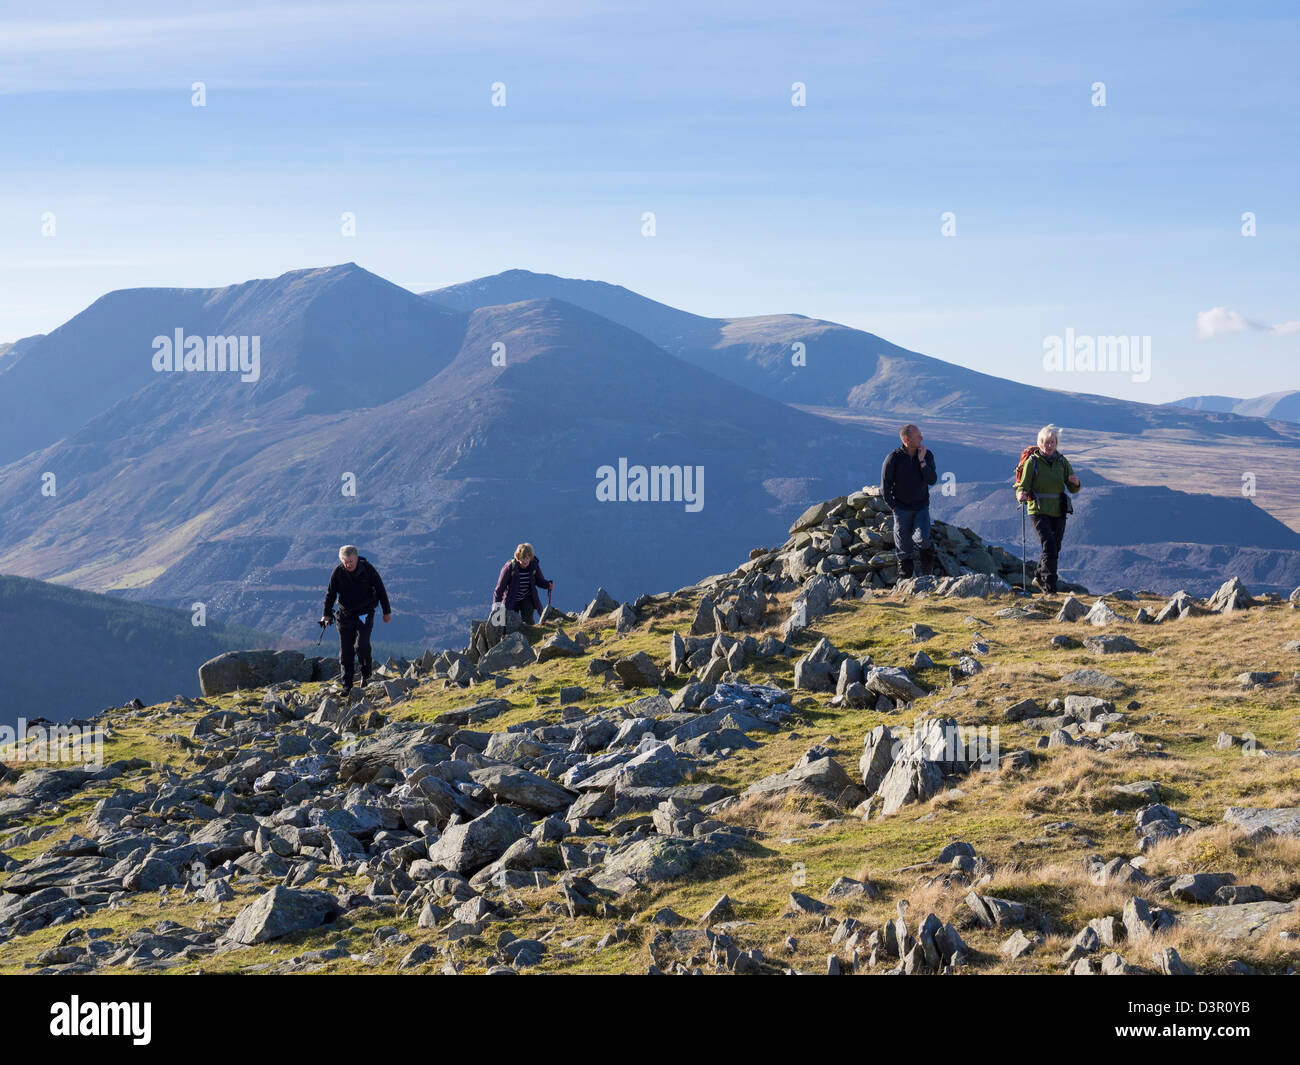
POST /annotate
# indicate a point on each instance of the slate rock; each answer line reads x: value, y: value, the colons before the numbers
x: 1102, y: 613
x: 638, y: 671
x: 1110, y: 644
x: 1092, y: 680
x: 978, y: 585
x: 893, y: 682
x: 657, y: 859
x: 466, y: 848
x: 282, y: 911
x: 237, y: 670
x: 1240, y: 921
x: 877, y: 757
x: 511, y: 652
x: 523, y: 788
x: 1026, y: 708
x: 1232, y: 595
x: 1284, y: 821
x: 1199, y: 887
x: 1019, y: 944
x: 558, y: 645
x: 909, y: 780
x: 820, y: 776
x: 1071, y: 610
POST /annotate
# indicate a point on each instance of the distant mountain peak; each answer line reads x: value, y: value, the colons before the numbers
x: 518, y: 273
x: 348, y: 271
x: 1281, y: 406
x: 616, y: 302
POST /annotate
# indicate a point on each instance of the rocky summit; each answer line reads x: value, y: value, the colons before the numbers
x: 801, y: 765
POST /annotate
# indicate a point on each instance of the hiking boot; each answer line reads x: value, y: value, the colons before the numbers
x: 905, y: 568
x: 365, y: 680
x: 346, y: 690
x: 1040, y: 584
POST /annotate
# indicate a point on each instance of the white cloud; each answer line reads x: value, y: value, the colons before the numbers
x: 1220, y: 321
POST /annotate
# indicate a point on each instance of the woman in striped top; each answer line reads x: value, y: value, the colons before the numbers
x: 518, y: 583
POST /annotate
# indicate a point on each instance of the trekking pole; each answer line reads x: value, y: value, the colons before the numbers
x: 1024, y: 550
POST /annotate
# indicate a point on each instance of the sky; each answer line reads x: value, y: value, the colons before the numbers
x: 1066, y: 218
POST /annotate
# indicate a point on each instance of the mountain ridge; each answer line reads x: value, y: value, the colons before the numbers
x: 845, y: 367
x: 1282, y: 406
x: 181, y: 486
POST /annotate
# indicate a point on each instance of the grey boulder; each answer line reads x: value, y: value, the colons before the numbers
x: 281, y: 912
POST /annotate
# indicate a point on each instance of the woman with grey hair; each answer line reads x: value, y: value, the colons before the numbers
x: 1044, y: 481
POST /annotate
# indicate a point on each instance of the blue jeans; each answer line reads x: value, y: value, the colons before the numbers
x: 911, y: 530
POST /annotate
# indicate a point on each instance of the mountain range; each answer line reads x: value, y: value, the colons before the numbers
x: 1284, y: 406
x: 437, y: 431
x: 846, y: 368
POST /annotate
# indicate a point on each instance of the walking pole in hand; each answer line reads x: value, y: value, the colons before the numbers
x: 1024, y: 566
x: 323, y: 622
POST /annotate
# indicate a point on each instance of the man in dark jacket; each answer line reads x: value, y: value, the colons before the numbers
x: 905, y: 480
x: 518, y: 582
x: 356, y: 584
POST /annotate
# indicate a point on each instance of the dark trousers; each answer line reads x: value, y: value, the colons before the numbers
x: 525, y: 610
x: 354, y: 643
x: 912, y: 531
x: 1051, y: 531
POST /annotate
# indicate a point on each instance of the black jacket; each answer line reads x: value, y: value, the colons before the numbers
x: 357, y: 592
x: 905, y: 482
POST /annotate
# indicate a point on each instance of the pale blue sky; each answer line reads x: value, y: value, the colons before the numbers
x: 1117, y: 220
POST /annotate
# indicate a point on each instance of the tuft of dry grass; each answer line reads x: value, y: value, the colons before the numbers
x: 782, y: 815
x: 1271, y: 862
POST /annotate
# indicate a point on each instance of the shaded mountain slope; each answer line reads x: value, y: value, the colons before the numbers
x: 74, y: 652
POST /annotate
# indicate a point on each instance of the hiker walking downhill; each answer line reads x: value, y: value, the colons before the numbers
x: 905, y: 480
x: 518, y: 583
x: 357, y: 586
x: 1044, y: 481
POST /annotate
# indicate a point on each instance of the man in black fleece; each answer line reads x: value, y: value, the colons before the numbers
x: 905, y: 480
x: 356, y: 584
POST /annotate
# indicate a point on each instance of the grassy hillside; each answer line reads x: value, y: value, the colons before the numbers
x: 1033, y: 826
